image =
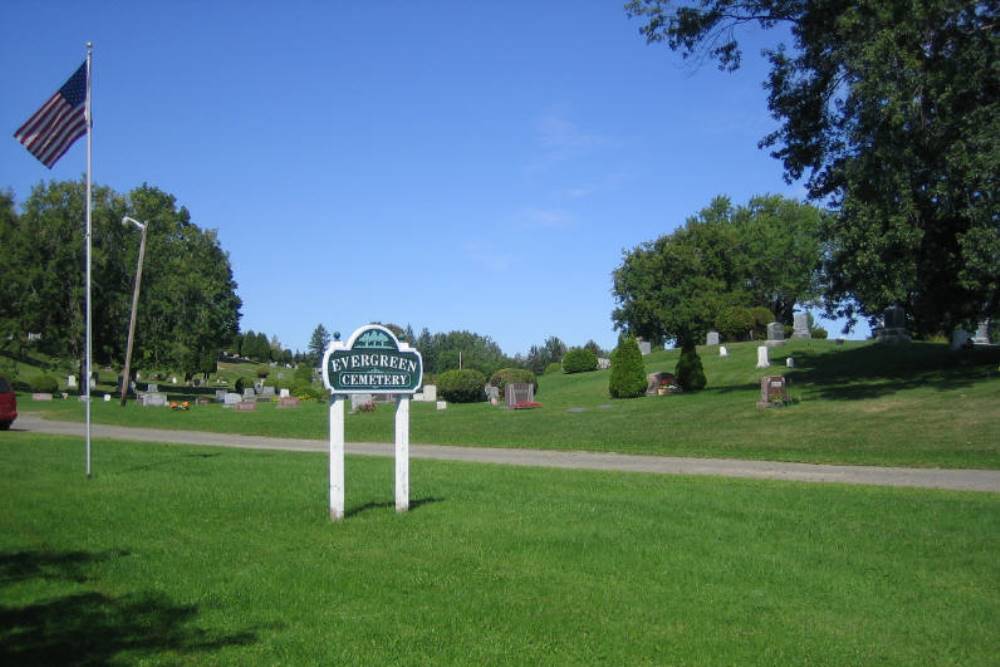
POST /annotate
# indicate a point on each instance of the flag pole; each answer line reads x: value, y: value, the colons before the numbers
x: 89, y: 364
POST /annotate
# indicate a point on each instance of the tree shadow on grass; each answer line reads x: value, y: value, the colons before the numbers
x: 879, y: 370
x: 94, y: 628
x: 414, y: 504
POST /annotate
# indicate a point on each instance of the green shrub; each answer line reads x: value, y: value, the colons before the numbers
x: 579, y: 360
x: 628, y: 375
x: 242, y: 383
x: 689, y: 372
x: 820, y: 332
x: 506, y: 376
x: 554, y: 367
x: 761, y: 317
x: 462, y: 386
x: 304, y: 373
x: 45, y: 384
x: 734, y: 323
x: 263, y: 372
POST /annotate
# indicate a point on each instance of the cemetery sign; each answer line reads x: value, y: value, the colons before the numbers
x: 372, y: 362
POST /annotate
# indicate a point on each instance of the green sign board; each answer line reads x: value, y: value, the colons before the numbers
x: 372, y: 361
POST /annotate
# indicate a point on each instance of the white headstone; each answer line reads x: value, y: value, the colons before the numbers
x: 430, y: 393
x: 982, y: 336
x: 762, y: 361
x: 357, y: 400
x: 284, y: 393
x: 790, y: 362
x: 712, y: 338
x: 249, y: 393
x: 442, y: 405
x: 173, y: 380
x: 603, y: 363
x: 645, y: 347
x: 723, y: 352
x: 107, y: 398
x: 93, y: 382
x: 71, y: 382
x: 220, y: 395
x: 152, y: 387
x: 232, y: 398
x: 775, y: 331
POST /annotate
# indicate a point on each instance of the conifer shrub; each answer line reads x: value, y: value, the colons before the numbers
x: 45, y: 384
x: 579, y: 360
x: 628, y: 374
x: 462, y: 386
x: 506, y: 376
x: 689, y: 372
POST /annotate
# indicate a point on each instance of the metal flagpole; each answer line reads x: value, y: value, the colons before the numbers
x: 90, y: 125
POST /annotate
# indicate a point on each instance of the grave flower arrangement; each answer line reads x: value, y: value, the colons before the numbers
x: 527, y: 405
x: 181, y: 407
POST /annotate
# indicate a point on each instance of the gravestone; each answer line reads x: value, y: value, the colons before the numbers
x: 893, y: 329
x: 723, y: 352
x: 231, y: 398
x: 644, y: 347
x: 712, y: 338
x: 41, y: 396
x: 800, y: 325
x: 492, y: 394
x: 246, y: 406
x: 266, y: 392
x: 430, y: 393
x: 790, y: 362
x: 775, y: 332
x: 603, y: 363
x: 288, y: 402
x: 152, y: 387
x: 773, y: 391
x: 202, y: 400
x: 71, y: 382
x: 442, y: 405
x: 154, y: 399
x: 220, y: 395
x: 359, y: 400
x: 107, y: 398
x: 284, y: 393
x: 960, y: 338
x: 249, y: 393
x: 173, y: 380
x: 762, y: 360
x: 656, y: 381
x: 519, y: 392
x: 982, y: 336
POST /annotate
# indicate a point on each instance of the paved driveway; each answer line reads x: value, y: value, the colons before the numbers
x: 961, y: 480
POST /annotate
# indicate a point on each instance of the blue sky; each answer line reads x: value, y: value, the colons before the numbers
x: 451, y: 165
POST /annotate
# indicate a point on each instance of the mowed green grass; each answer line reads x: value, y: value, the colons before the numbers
x: 177, y: 555
x: 859, y: 403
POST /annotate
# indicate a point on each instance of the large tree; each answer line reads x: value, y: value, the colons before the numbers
x: 764, y: 255
x: 891, y: 109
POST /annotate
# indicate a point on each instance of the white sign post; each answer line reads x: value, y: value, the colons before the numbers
x: 372, y: 361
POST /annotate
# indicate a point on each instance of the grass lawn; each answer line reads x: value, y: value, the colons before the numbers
x: 860, y: 403
x: 176, y: 555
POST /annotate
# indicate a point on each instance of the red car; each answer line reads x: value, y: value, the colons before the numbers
x: 8, y: 405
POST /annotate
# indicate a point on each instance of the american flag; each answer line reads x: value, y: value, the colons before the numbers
x: 62, y: 120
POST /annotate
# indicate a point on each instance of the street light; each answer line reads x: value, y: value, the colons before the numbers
x: 135, y: 303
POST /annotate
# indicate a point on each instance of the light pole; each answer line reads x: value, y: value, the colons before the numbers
x: 135, y: 303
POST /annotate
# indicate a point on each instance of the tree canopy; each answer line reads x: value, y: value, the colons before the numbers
x: 766, y: 254
x: 188, y: 307
x: 891, y: 109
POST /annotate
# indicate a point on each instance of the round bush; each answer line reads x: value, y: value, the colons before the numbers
x: 554, y: 367
x: 462, y: 386
x: 818, y: 332
x: 689, y: 372
x: 734, y: 323
x: 579, y: 360
x: 506, y: 376
x: 45, y: 384
x: 628, y: 374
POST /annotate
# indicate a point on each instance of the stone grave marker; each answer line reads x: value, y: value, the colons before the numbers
x: 288, y: 402
x: 107, y: 398
x: 202, y: 400
x: 71, y: 382
x: 762, y: 360
x: 41, y: 396
x: 220, y: 395
x: 800, y: 325
x: 284, y: 393
x: 154, y: 399
x: 790, y: 362
x: 959, y: 339
x: 775, y: 332
x: 893, y: 329
x: 773, y: 391
x: 644, y: 347
x: 152, y: 387
x: 246, y: 406
x: 723, y: 352
x: 712, y: 338
x: 430, y: 393
x: 492, y: 394
x: 231, y: 398
x: 358, y: 400
x: 655, y: 382
x: 249, y: 394
x: 603, y: 363
x: 982, y: 336
x: 519, y: 392
x: 442, y: 405
x: 266, y: 392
